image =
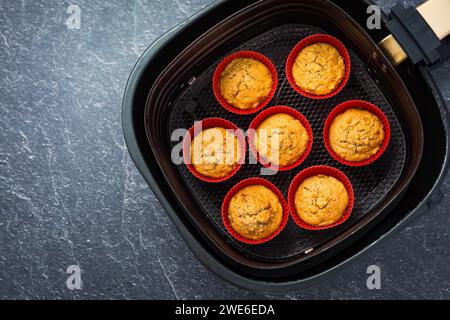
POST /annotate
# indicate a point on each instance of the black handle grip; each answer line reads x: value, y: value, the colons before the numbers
x: 415, y: 36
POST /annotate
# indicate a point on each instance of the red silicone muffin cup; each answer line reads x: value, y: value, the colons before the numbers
x: 245, y: 183
x: 312, y: 171
x: 210, y: 123
x: 360, y: 104
x: 267, y: 113
x: 323, y: 38
x: 225, y: 62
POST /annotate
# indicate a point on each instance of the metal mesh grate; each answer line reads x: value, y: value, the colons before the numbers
x: 371, y: 183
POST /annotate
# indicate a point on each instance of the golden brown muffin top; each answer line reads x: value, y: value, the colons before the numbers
x: 245, y: 83
x: 214, y: 152
x: 318, y: 69
x: 255, y: 212
x: 321, y: 200
x: 281, y: 139
x: 356, y: 134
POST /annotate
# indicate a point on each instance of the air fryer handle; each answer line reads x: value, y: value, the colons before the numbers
x: 436, y: 14
x: 417, y: 33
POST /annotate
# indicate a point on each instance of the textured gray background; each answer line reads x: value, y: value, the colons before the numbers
x: 70, y: 193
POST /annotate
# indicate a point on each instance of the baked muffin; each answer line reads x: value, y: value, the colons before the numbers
x: 321, y: 200
x: 281, y: 139
x: 318, y: 69
x: 255, y: 212
x: 214, y: 152
x: 356, y: 134
x: 245, y: 83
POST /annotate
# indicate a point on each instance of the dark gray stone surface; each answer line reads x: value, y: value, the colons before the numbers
x: 70, y: 193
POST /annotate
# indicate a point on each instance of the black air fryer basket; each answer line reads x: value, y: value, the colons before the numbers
x: 171, y: 88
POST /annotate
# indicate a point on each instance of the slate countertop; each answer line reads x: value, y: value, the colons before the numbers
x: 70, y: 194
